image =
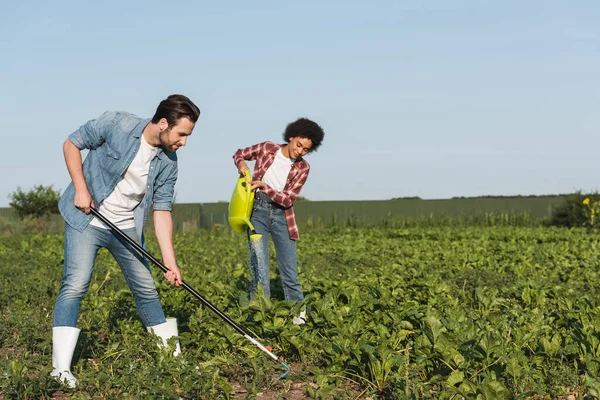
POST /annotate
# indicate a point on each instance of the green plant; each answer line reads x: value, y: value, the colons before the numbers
x: 41, y: 201
x: 570, y: 213
x: 394, y: 312
x: 591, y: 211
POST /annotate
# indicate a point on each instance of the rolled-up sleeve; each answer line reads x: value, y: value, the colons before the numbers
x: 93, y: 133
x: 163, y: 193
x: 248, y: 153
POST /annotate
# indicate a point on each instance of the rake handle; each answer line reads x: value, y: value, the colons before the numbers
x: 187, y: 287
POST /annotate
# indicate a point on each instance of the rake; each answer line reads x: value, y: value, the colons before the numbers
x: 191, y: 290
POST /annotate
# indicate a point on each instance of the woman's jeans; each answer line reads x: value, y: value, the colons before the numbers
x: 269, y: 218
x: 80, y: 251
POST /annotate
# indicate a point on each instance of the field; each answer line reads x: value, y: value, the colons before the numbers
x: 439, y: 312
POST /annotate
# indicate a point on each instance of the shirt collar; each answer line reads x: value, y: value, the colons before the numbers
x: 277, y: 147
x: 137, y: 131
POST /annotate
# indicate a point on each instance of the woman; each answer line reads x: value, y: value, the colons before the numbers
x: 279, y: 174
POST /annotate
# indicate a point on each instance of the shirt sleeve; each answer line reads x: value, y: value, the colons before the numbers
x: 93, y: 133
x: 290, y: 192
x: 163, y: 194
x: 248, y: 153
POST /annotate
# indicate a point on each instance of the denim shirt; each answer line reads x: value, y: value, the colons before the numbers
x: 113, y: 140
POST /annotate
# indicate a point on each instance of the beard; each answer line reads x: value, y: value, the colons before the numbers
x: 164, y: 142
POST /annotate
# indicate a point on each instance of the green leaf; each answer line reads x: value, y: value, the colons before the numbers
x: 433, y: 329
x: 455, y: 377
x: 467, y: 388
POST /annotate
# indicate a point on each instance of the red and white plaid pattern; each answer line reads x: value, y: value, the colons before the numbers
x: 264, y: 154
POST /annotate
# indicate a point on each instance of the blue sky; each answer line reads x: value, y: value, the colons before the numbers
x: 417, y: 98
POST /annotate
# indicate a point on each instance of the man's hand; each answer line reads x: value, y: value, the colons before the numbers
x: 173, y: 275
x: 163, y: 227
x: 83, y: 201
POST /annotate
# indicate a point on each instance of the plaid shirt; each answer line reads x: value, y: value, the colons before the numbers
x: 264, y: 154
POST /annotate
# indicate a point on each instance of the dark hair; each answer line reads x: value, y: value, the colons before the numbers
x: 305, y: 128
x: 175, y: 107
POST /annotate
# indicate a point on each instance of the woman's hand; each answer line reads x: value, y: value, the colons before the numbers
x: 242, y: 167
x: 257, y: 185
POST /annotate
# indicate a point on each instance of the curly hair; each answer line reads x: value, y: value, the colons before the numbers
x: 305, y: 128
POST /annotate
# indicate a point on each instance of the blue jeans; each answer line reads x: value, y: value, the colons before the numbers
x: 80, y: 251
x: 269, y: 218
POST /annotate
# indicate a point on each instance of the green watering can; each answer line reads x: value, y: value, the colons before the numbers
x: 240, y: 207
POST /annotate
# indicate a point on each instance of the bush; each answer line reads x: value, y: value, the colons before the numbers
x: 572, y: 212
x: 42, y: 201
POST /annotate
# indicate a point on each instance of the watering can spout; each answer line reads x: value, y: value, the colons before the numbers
x: 240, y: 207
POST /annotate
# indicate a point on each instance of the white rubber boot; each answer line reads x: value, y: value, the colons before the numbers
x: 300, y: 319
x: 64, y: 340
x: 166, y: 331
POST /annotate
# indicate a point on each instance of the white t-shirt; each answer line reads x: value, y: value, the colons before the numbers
x: 276, y: 175
x: 119, y: 205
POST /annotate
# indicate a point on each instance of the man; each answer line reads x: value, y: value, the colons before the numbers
x: 130, y: 167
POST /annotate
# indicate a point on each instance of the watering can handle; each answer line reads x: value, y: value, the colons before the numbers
x: 248, y: 177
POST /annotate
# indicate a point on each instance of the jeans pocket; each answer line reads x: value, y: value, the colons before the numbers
x: 279, y: 212
x: 259, y: 204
